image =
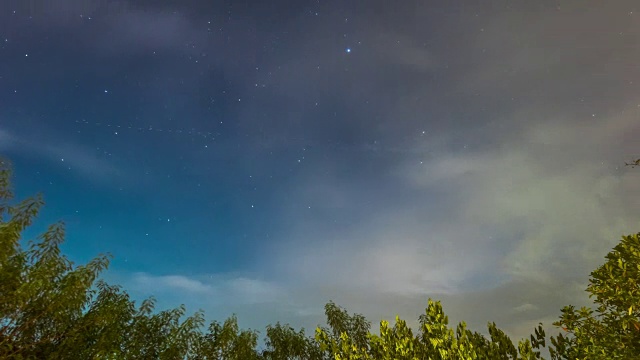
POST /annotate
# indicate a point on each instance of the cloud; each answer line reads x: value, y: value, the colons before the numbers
x: 525, y: 307
x: 505, y: 216
x: 7, y: 140
x: 257, y: 302
x: 82, y: 160
x: 531, y: 211
x: 171, y: 283
x: 406, y: 53
x: 63, y: 14
x: 501, y: 208
x: 218, y: 289
x: 138, y: 31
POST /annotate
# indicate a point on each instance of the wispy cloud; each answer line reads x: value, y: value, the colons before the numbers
x: 501, y: 207
x: 7, y: 140
x: 142, y: 32
x: 502, y: 186
x: 535, y: 199
x: 79, y: 159
x: 532, y: 210
x: 216, y: 290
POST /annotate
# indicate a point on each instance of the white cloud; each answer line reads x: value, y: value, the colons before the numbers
x: 7, y: 140
x: 171, y: 283
x: 140, y: 31
x: 79, y: 159
x: 525, y: 307
x: 507, y: 231
x: 218, y: 289
x: 254, y: 291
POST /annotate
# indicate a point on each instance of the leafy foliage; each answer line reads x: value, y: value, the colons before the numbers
x: 284, y: 343
x: 612, y: 330
x: 53, y: 309
x: 634, y: 163
x: 436, y: 340
x: 227, y: 341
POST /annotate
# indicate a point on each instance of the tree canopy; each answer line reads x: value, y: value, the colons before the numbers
x: 51, y: 308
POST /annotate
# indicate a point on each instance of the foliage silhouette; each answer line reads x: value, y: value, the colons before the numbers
x: 53, y: 309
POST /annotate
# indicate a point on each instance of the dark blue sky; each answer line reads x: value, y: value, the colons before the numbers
x: 265, y: 158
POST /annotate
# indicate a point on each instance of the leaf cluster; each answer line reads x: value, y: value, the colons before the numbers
x: 435, y: 340
x: 51, y: 308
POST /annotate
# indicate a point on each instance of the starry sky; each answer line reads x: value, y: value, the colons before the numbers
x: 262, y: 158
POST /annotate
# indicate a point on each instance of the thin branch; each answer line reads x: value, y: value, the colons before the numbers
x: 633, y: 163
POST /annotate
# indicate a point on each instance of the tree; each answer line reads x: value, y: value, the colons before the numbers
x: 612, y: 330
x: 436, y: 340
x: 43, y: 297
x: 347, y: 334
x: 51, y: 309
x: 227, y: 341
x: 284, y: 343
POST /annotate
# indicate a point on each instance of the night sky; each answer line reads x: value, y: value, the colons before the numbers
x: 262, y: 158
